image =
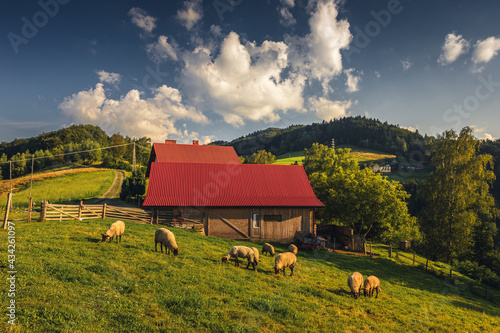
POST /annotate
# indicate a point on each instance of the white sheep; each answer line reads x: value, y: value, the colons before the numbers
x: 355, y: 282
x: 256, y: 255
x: 292, y: 248
x: 268, y: 248
x: 241, y: 252
x: 285, y: 259
x: 166, y: 238
x: 116, y: 229
x: 372, y: 283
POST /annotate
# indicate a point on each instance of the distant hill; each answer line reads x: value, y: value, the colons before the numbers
x: 358, y: 131
x: 51, y: 140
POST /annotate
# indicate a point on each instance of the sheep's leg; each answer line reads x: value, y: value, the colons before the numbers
x: 110, y: 239
x: 377, y: 292
x: 236, y: 263
x: 120, y: 238
x: 291, y: 268
x: 167, y: 250
x: 284, y: 271
x: 161, y: 247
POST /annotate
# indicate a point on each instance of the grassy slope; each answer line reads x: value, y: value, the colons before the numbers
x: 69, y: 281
x: 61, y: 187
x: 361, y: 154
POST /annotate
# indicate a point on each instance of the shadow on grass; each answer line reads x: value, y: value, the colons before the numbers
x: 340, y: 292
x: 93, y: 240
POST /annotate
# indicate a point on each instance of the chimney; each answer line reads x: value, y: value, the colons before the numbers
x: 196, y: 143
x: 171, y: 142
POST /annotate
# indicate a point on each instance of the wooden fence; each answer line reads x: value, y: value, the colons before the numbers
x: 57, y: 212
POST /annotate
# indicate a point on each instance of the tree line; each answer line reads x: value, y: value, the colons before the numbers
x: 60, y: 147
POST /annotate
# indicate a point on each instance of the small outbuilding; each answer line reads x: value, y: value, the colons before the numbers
x: 234, y: 200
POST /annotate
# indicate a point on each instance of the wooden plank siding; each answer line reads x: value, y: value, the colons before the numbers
x: 236, y: 223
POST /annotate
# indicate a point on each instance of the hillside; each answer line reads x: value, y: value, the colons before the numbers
x: 68, y: 280
x: 358, y: 131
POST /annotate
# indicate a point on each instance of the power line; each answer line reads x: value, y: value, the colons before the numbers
x: 73, y: 152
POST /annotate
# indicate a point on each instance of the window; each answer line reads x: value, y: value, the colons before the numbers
x: 256, y: 220
x: 272, y: 218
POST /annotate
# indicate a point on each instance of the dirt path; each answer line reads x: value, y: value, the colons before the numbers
x: 113, y: 191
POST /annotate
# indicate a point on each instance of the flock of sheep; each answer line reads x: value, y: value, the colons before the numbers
x: 286, y: 259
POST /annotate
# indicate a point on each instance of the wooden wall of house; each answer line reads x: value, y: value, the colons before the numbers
x: 236, y: 223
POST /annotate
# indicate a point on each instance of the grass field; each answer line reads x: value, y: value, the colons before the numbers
x: 63, y: 188
x: 361, y: 154
x: 68, y: 281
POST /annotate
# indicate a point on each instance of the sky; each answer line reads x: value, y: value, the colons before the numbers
x: 220, y: 69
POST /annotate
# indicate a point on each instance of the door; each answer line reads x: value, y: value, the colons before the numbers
x: 255, y: 226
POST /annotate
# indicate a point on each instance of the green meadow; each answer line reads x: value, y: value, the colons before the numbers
x: 63, y: 189
x: 69, y: 281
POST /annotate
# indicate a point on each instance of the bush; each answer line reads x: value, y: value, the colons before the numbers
x: 477, y: 272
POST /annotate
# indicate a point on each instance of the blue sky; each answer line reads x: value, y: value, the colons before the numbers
x: 219, y: 69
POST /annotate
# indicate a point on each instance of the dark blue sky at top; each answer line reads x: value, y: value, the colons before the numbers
x: 84, y: 37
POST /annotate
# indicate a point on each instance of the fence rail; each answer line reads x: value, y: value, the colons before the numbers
x: 57, y: 212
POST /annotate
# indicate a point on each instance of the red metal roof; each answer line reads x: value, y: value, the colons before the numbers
x: 229, y: 185
x: 181, y: 153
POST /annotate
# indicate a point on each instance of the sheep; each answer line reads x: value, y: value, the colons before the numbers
x: 286, y: 259
x: 166, y: 238
x: 292, y: 248
x: 355, y: 282
x: 116, y: 229
x: 241, y: 252
x: 256, y: 255
x: 372, y: 283
x: 268, y: 248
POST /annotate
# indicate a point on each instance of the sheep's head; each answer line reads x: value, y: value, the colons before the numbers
x: 176, y: 252
x: 225, y: 258
x: 104, y: 237
x: 366, y: 291
x: 276, y: 270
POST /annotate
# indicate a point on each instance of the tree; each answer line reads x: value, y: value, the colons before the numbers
x: 458, y: 197
x: 134, y: 186
x: 261, y: 157
x: 360, y: 199
x: 118, y: 152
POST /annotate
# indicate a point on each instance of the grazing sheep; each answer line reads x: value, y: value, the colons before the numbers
x: 372, y: 283
x: 268, y: 248
x: 286, y: 259
x: 115, y: 230
x: 256, y: 255
x: 241, y: 252
x: 166, y: 238
x: 355, y: 282
x: 292, y: 248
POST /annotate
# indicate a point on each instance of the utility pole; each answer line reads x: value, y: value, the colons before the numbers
x: 133, y: 158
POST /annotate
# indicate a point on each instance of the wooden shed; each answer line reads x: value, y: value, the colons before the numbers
x: 237, y: 201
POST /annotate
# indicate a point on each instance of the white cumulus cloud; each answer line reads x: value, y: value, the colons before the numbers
x: 191, y: 14
x: 287, y: 18
x: 406, y: 64
x: 317, y: 55
x: 132, y: 115
x: 485, y: 50
x: 141, y: 19
x: 244, y: 82
x: 453, y: 47
x: 328, y: 110
x: 162, y: 50
x: 352, y: 81
x: 107, y: 77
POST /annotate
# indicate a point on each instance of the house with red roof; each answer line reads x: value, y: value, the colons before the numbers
x: 237, y: 201
x: 171, y: 151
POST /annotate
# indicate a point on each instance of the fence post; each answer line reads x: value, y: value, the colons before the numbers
x: 30, y: 208
x: 371, y: 252
x: 43, y: 212
x: 152, y: 216
x: 80, y: 206
x: 157, y: 215
x: 104, y: 207
x: 352, y: 244
x: 7, y: 209
x: 364, y: 248
x: 390, y: 251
